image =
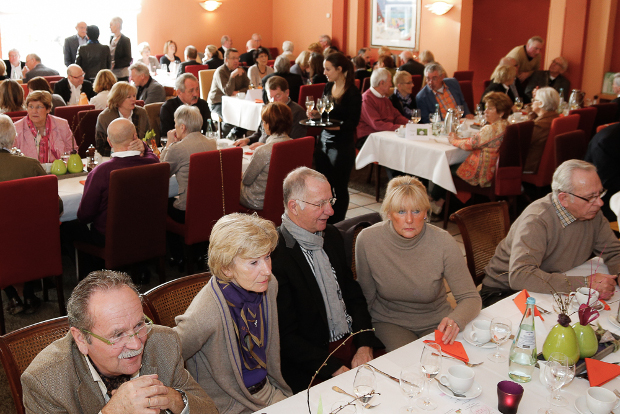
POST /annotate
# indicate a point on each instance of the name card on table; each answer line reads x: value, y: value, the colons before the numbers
x: 418, y: 132
x: 254, y: 94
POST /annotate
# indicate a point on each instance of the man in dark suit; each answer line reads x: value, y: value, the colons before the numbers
x: 604, y: 153
x: 411, y: 65
x: 282, y: 67
x: 319, y: 302
x: 93, y: 56
x: 14, y: 66
x: 36, y: 68
x: 191, y: 53
x: 73, y: 85
x: 188, y: 93
x: 553, y: 77
x: 226, y: 44
x: 248, y: 56
x: 72, y: 43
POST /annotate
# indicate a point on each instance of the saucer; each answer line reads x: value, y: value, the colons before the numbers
x: 612, y: 319
x: 470, y: 340
x: 473, y: 392
x: 582, y: 406
x: 575, y: 305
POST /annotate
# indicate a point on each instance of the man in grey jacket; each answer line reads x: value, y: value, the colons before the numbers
x: 149, y: 90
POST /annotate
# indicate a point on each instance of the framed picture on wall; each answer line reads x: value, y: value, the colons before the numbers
x: 395, y: 23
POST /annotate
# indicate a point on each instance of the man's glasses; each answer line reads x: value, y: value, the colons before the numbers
x: 78, y: 76
x: 590, y: 199
x: 141, y: 330
x: 322, y: 204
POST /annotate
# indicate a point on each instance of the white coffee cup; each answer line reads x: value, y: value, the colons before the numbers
x: 460, y: 378
x: 601, y: 400
x: 401, y: 131
x: 481, y: 331
x: 583, y: 293
x: 241, y: 95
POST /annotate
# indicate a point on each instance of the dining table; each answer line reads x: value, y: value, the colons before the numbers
x: 487, y: 375
x: 242, y: 112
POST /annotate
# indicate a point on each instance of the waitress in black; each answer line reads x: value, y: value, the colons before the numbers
x: 335, y: 152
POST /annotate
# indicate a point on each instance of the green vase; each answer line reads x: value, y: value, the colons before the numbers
x: 74, y: 164
x: 586, y: 338
x: 562, y: 339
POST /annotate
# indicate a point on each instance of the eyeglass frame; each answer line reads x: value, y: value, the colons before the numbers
x: 331, y: 201
x: 592, y: 200
x: 148, y: 323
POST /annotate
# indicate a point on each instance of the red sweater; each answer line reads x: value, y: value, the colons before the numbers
x: 378, y: 114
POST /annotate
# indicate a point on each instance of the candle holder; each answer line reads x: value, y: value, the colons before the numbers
x: 508, y: 397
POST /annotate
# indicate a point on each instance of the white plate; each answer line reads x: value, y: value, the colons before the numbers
x: 470, y: 340
x: 612, y: 319
x: 581, y: 406
x: 473, y: 392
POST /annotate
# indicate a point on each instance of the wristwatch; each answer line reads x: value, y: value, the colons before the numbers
x: 183, y: 397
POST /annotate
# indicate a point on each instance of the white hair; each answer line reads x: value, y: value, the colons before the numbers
x: 7, y: 132
x: 433, y: 67
x: 379, y: 75
x: 288, y: 46
x: 117, y: 20
x: 549, y: 98
x: 617, y: 79
x: 179, y: 84
x: 189, y: 116
x: 563, y: 175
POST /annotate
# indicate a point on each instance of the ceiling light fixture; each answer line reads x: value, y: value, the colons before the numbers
x: 211, y: 5
x: 439, y: 7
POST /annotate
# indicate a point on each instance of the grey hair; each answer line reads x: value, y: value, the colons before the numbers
x: 535, y: 39
x: 34, y: 56
x: 294, y: 185
x: 179, y: 84
x: 7, y: 132
x: 229, y: 51
x: 564, y: 63
x: 563, y: 175
x: 224, y: 39
x: 140, y: 67
x: 433, y: 67
x: 101, y: 280
x: 400, y: 76
x: 326, y: 39
x: 118, y: 21
x: 142, y: 46
x: 549, y: 98
x: 379, y: 75
x: 189, y: 116
x: 288, y: 46
x: 617, y: 79
x: 406, y: 56
x: 282, y: 64
x: 16, y: 51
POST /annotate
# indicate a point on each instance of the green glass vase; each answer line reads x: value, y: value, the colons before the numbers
x: 586, y: 338
x: 562, y: 339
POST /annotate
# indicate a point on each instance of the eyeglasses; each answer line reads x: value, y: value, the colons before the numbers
x: 322, y: 204
x: 141, y: 330
x: 591, y: 199
x: 36, y: 108
x: 78, y: 76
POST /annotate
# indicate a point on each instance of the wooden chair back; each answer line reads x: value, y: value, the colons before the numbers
x: 205, y: 79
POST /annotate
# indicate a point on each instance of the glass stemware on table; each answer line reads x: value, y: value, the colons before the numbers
x: 557, y: 374
x: 365, y: 384
x: 415, y: 116
x: 501, y: 328
x: 329, y: 105
x: 460, y: 111
x: 411, y: 384
x: 518, y: 103
x: 430, y: 362
x: 309, y: 103
x: 320, y: 106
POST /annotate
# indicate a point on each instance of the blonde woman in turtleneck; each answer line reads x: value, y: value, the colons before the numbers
x: 401, y: 265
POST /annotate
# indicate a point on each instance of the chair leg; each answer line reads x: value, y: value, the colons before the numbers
x: 45, y: 285
x: 369, y: 178
x: 161, y: 269
x: 377, y: 182
x: 61, y: 295
x: 2, y: 328
x: 446, y: 210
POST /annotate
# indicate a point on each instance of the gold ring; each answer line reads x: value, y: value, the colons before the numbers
x: 149, y: 401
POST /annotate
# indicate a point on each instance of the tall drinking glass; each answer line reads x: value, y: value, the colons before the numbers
x: 329, y: 105
x: 320, y: 106
x: 430, y: 361
x: 555, y: 376
x: 365, y: 384
x: 411, y: 384
x: 501, y: 328
x: 415, y: 116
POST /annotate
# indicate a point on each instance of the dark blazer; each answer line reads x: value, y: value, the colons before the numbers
x: 122, y: 53
x: 604, y: 152
x: 361, y: 74
x: 214, y: 63
x: 541, y: 79
x: 294, y: 83
x: 617, y: 102
x: 93, y: 57
x: 62, y: 88
x: 397, y: 103
x: 9, y: 68
x: 426, y: 101
x: 497, y: 87
x: 70, y: 49
x: 304, y: 330
x: 39, y: 70
x: 166, y: 114
x: 183, y: 65
x: 413, y: 67
x: 247, y: 57
x: 222, y: 51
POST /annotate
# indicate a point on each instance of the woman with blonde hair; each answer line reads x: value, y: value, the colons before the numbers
x: 121, y: 103
x: 301, y: 66
x: 213, y: 57
x: 103, y: 83
x: 145, y: 57
x: 11, y: 96
x: 402, y: 265
x: 545, y: 104
x: 504, y: 77
x: 229, y: 334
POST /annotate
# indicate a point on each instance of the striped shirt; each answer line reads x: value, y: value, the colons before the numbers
x: 565, y: 216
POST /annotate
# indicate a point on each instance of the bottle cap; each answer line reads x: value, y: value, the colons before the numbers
x: 530, y: 301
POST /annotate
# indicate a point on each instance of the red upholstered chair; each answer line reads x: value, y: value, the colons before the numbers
x: 547, y: 165
x: 20, y: 347
x: 273, y: 52
x: 140, y: 102
x: 136, y: 222
x: 16, y: 113
x: 508, y: 170
x: 606, y: 114
x: 271, y: 62
x: 285, y: 157
x: 26, y: 90
x: 30, y: 246
x: 194, y: 69
x: 525, y: 138
x: 464, y: 75
x: 316, y: 91
x: 570, y: 146
x: 601, y: 127
x: 468, y: 95
x: 204, y: 195
x: 158, y: 57
x: 417, y: 84
x: 52, y: 84
x: 53, y: 78
x: 357, y: 83
x: 85, y: 132
x: 365, y: 84
x: 70, y: 114
x: 586, y: 120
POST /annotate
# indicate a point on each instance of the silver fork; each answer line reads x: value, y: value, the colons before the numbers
x: 469, y: 364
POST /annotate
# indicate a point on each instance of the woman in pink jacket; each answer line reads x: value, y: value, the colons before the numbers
x: 40, y: 135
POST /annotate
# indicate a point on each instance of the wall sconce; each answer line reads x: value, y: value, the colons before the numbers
x: 211, y: 5
x: 439, y: 7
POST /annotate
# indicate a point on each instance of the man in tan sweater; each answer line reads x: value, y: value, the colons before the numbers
x: 553, y: 235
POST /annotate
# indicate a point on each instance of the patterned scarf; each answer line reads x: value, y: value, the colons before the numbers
x: 44, y: 145
x: 111, y: 383
x: 445, y: 100
x: 406, y: 103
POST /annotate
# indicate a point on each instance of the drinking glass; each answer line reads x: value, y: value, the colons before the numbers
x: 411, y: 384
x: 568, y: 370
x: 309, y: 103
x: 329, y: 105
x: 501, y: 328
x: 364, y: 384
x: 555, y: 376
x: 430, y: 360
x: 518, y: 103
x: 415, y: 116
x: 479, y: 113
x: 460, y: 111
x: 320, y: 106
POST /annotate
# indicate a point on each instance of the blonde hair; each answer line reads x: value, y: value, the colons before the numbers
x: 401, y: 76
x: 119, y: 92
x: 404, y: 192
x: 104, y: 81
x: 239, y: 235
x: 426, y: 57
x: 504, y: 73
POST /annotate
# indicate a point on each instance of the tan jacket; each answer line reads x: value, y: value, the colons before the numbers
x: 542, y: 125
x: 525, y: 65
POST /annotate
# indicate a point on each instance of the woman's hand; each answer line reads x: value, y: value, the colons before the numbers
x: 241, y: 142
x: 255, y: 145
x: 450, y: 329
x: 172, y: 137
x: 313, y: 114
x: 452, y: 136
x: 362, y: 356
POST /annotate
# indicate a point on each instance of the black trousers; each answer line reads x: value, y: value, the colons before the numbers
x: 336, y: 164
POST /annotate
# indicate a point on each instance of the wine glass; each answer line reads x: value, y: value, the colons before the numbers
x: 479, y: 113
x: 329, y: 105
x: 460, y: 109
x: 415, y: 116
x: 411, y: 384
x: 568, y: 371
x: 320, y: 106
x: 501, y: 328
x: 518, y: 103
x: 556, y: 374
x: 309, y: 104
x: 364, y: 384
x: 430, y: 360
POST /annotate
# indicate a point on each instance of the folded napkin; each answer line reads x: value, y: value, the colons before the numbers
x: 82, y: 182
x: 455, y: 350
x: 600, y: 372
x: 258, y: 101
x: 605, y: 305
x: 520, y: 299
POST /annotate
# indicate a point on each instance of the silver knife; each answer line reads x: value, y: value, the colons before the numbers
x: 383, y: 373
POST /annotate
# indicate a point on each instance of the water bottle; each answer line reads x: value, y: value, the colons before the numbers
x: 209, y: 129
x: 436, y: 121
x: 563, y: 105
x: 523, y: 350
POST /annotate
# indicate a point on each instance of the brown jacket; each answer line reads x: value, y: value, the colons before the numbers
x: 542, y: 125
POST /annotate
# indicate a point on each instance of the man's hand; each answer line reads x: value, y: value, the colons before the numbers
x: 604, y: 284
x: 241, y: 142
x: 362, y: 356
x: 172, y: 137
x: 142, y: 395
x: 341, y: 370
x: 449, y: 328
x: 136, y: 145
x: 256, y: 145
x: 237, y: 72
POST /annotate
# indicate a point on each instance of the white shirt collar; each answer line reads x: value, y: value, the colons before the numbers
x: 124, y: 154
x: 129, y: 117
x: 75, y: 94
x: 376, y: 93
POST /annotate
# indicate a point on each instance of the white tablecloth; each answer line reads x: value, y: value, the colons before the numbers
x: 243, y: 113
x: 426, y: 159
x: 487, y: 375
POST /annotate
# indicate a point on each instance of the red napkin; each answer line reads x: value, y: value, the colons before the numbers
x: 600, y: 372
x: 605, y: 305
x: 455, y: 350
x: 520, y: 302
x: 258, y: 101
x: 82, y: 182
x: 463, y: 196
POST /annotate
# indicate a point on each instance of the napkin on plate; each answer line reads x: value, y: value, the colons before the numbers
x: 82, y: 182
x: 600, y: 372
x: 455, y: 350
x: 520, y: 299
